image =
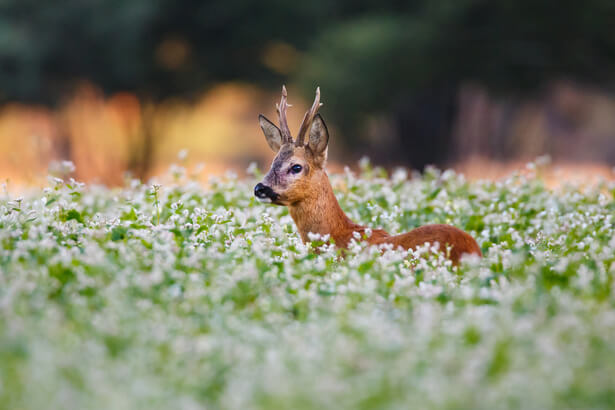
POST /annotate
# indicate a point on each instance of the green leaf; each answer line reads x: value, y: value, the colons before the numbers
x: 118, y: 233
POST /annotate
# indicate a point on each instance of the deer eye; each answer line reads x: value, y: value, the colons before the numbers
x: 295, y: 169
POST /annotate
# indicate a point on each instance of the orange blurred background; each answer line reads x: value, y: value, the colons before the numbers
x: 104, y: 136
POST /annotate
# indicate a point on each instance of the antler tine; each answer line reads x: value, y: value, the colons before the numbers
x: 281, y: 109
x: 308, y: 118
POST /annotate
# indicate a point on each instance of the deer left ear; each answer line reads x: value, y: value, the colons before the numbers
x: 319, y: 139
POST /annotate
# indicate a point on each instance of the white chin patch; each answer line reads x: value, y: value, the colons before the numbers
x: 265, y: 200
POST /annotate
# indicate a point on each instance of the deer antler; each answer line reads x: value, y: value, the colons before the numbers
x: 308, y: 118
x: 281, y: 109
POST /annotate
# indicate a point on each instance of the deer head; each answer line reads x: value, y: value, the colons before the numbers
x: 298, y: 166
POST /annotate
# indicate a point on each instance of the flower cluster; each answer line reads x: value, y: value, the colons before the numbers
x: 179, y: 296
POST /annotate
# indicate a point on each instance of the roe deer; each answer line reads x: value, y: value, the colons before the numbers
x: 298, y: 180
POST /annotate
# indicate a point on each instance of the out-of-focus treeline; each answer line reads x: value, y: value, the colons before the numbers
x: 117, y: 86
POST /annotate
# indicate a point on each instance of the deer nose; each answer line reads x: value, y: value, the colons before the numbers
x: 260, y: 190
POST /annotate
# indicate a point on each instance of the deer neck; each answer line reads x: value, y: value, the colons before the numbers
x: 320, y: 213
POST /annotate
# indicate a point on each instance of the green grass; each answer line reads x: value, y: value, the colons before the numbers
x: 178, y: 297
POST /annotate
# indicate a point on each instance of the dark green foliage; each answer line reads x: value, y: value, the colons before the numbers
x: 375, y: 51
x: 118, y: 233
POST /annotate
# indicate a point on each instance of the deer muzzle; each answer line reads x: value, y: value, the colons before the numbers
x: 264, y: 193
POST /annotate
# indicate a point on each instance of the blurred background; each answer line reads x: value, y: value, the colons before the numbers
x: 121, y: 87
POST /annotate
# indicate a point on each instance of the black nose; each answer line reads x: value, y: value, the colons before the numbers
x: 264, y: 192
x: 260, y: 190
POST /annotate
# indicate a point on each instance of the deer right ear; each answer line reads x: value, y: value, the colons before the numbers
x: 273, y: 135
x: 319, y: 140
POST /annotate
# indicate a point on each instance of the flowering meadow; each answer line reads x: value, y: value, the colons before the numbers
x: 186, y: 296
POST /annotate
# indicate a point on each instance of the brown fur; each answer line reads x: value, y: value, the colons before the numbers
x: 315, y: 209
x: 319, y: 212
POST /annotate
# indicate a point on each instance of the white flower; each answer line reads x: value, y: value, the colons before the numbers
x: 182, y: 154
x: 252, y: 169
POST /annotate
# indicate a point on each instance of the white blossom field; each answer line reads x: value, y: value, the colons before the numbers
x: 191, y: 296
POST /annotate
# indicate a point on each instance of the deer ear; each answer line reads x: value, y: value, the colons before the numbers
x: 273, y: 135
x: 319, y: 139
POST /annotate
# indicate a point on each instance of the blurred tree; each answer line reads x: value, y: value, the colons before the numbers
x: 47, y: 49
x: 379, y: 62
x: 156, y: 48
x: 153, y: 48
x: 409, y: 66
